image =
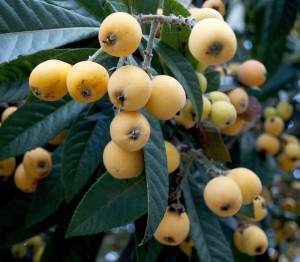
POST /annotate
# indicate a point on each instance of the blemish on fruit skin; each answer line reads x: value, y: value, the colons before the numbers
x: 169, y: 239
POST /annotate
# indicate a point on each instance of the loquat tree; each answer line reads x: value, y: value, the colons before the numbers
x: 135, y: 130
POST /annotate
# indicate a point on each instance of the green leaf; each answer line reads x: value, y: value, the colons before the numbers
x: 145, y: 6
x: 109, y: 203
x: 49, y: 194
x: 228, y: 83
x: 213, y: 80
x: 178, y: 36
x: 210, y: 242
x: 31, y: 26
x: 185, y: 74
x: 14, y: 75
x: 75, y: 249
x: 116, y: 6
x: 247, y: 210
x: 35, y: 124
x: 157, y: 177
x: 82, y: 153
x: 208, y: 137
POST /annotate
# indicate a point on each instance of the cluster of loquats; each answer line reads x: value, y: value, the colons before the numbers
x: 36, y: 165
x: 32, y: 247
x: 274, y: 141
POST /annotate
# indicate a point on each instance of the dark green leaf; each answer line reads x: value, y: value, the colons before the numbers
x: 210, y: 242
x: 213, y: 81
x: 185, y: 74
x: 247, y: 210
x: 109, y: 203
x: 228, y: 83
x: 157, y: 177
x: 116, y: 6
x: 145, y: 6
x: 35, y: 124
x: 75, y: 249
x: 27, y: 27
x: 49, y: 194
x: 209, y: 139
x: 14, y: 75
x: 82, y: 152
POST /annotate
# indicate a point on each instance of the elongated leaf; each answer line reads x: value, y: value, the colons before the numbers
x: 14, y: 84
x: 247, y: 210
x: 35, y: 124
x: 145, y: 6
x: 116, y: 6
x: 45, y: 27
x: 178, y: 36
x: 213, y: 80
x: 49, y: 194
x: 157, y: 177
x: 82, y: 153
x: 210, y: 242
x: 109, y: 203
x: 75, y: 249
x: 185, y: 74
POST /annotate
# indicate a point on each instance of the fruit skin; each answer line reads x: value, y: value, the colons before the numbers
x: 206, y: 12
x: 23, y: 181
x: 252, y: 73
x: 206, y: 108
x: 38, y: 254
x: 292, y: 151
x: 127, y: 94
x: 223, y: 196
x: 212, y: 42
x: 286, y: 163
x: 7, y: 166
x: 167, y: 97
x: 48, y: 80
x: 87, y: 81
x: 203, y: 81
x: 269, y: 111
x: 122, y: 164
x: 34, y: 243
x: 274, y: 125
x: 58, y: 138
x: 184, y: 120
x: 173, y: 228
x: 120, y: 34
x: 288, y: 204
x: 239, y: 98
x: 218, y: 96
x: 130, y: 130
x: 254, y: 240
x: 173, y: 157
x: 7, y: 112
x: 237, y: 239
x: 265, y: 193
x: 267, y: 144
x: 37, y: 163
x: 222, y: 114
x: 18, y: 250
x: 289, y: 228
x: 235, y: 128
x: 248, y: 183
x: 284, y: 109
x: 260, y: 210
x: 218, y: 5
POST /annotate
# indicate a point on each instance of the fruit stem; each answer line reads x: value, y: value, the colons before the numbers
x: 148, y: 52
x: 171, y: 19
x: 95, y: 56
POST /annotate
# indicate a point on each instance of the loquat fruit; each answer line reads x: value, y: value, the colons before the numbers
x: 286, y: 163
x: 38, y: 254
x: 267, y: 144
x: 288, y: 204
x: 18, y: 250
x: 130, y: 130
x: 252, y: 73
x: 235, y: 128
x: 48, y: 80
x: 23, y: 181
x: 248, y: 183
x: 167, y: 97
x: 203, y: 82
x: 223, y: 196
x: 34, y: 243
x: 184, y: 120
x: 237, y: 239
x: 7, y: 112
x: 260, y: 210
x: 87, y: 81
x: 218, y: 5
x: 127, y: 94
x: 269, y: 111
x: 120, y: 34
x: 173, y: 228
x: 284, y: 109
x: 205, y: 12
x: 218, y: 96
x: 289, y: 228
x: 173, y: 157
x: 122, y: 164
x: 292, y: 151
x: 274, y: 125
x: 58, y: 138
x: 37, y: 163
x: 222, y: 114
x: 212, y: 41
x: 239, y: 99
x: 7, y: 166
x: 206, y: 108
